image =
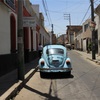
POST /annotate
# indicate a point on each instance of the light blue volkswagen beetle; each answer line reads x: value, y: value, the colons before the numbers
x: 54, y: 59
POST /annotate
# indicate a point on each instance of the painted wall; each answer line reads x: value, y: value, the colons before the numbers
x: 34, y: 40
x: 45, y: 37
x: 99, y: 37
x: 4, y: 30
x: 97, y: 20
x: 84, y: 45
x: 36, y: 9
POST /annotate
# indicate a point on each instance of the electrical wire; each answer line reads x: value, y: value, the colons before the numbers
x: 87, y: 12
x: 44, y: 6
x: 96, y: 3
x: 46, y: 11
x: 85, y: 15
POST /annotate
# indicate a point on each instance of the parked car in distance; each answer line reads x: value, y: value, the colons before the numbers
x: 54, y: 59
x: 68, y: 46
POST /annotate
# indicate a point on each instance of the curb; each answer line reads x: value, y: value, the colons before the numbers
x: 13, y: 91
x: 96, y: 61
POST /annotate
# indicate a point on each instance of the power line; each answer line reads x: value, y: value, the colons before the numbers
x: 46, y: 11
x: 85, y: 15
x: 59, y: 27
x: 96, y: 2
x: 44, y: 6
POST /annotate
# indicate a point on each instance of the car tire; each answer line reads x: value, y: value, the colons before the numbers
x: 69, y: 73
x: 42, y: 74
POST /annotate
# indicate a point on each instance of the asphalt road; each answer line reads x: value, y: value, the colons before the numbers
x: 84, y: 83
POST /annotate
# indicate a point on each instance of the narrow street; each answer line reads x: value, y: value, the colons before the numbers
x: 27, y: 26
x: 82, y: 85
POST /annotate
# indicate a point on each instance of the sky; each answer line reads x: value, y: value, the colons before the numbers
x: 57, y: 12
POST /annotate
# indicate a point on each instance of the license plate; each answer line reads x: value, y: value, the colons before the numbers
x: 55, y: 61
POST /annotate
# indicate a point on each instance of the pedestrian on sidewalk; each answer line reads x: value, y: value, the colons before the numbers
x: 40, y: 47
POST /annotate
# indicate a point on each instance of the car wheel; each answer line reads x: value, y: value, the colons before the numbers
x: 69, y: 73
x: 42, y: 74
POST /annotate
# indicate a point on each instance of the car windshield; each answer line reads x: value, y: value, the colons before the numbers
x: 55, y: 51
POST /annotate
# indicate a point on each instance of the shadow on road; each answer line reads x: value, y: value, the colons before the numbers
x: 48, y: 96
x: 8, y: 80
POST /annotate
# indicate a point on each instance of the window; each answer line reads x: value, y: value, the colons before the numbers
x: 85, y: 27
x: 55, y: 51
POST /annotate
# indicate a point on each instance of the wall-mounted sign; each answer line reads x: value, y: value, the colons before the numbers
x: 10, y: 4
x: 29, y: 22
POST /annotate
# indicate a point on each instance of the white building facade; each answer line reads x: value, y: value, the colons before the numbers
x: 97, y: 11
x: 8, y: 30
x: 8, y: 35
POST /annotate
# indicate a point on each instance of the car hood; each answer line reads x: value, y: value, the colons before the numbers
x: 55, y: 60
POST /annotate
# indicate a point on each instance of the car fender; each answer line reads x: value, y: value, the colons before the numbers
x: 67, y: 65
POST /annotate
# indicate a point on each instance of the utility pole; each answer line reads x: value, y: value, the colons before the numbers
x: 70, y: 34
x: 93, y: 31
x: 68, y: 17
x: 51, y: 33
x: 21, y: 66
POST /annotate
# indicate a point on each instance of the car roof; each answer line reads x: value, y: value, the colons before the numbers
x: 54, y: 46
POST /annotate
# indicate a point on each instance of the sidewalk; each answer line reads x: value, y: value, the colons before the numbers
x: 9, y: 83
x: 89, y: 56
